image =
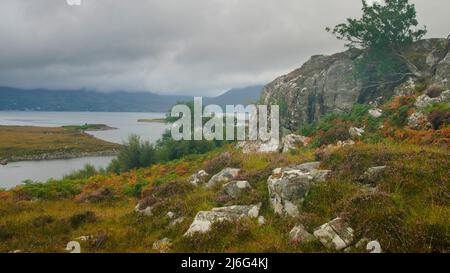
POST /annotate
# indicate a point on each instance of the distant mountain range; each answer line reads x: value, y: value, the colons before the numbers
x: 83, y: 100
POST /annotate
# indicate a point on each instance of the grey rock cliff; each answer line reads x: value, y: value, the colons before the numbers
x: 327, y: 84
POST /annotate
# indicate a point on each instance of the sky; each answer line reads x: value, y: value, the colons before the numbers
x: 189, y: 47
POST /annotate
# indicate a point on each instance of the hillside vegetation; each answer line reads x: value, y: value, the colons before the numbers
x: 407, y: 210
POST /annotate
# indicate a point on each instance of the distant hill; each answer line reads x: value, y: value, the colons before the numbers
x: 83, y: 100
x: 246, y: 95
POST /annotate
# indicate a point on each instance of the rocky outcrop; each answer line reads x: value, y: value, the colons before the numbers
x: 322, y: 85
x: 442, y: 75
x: 326, y: 84
x: 225, y: 176
x: 236, y: 189
x: 289, y: 186
x: 335, y: 234
x: 204, y: 219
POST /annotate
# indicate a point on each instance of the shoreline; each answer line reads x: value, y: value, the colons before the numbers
x: 59, y: 156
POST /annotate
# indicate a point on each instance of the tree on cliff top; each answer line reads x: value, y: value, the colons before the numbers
x: 384, y: 29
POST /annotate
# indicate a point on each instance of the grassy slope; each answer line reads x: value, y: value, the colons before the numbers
x: 30, y: 141
x: 410, y: 211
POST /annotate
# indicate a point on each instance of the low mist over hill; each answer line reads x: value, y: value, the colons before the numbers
x: 83, y: 100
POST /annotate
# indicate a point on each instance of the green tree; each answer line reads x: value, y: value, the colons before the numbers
x: 385, y: 28
x: 133, y: 154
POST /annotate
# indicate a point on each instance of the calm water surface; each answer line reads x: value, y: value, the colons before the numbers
x: 126, y: 123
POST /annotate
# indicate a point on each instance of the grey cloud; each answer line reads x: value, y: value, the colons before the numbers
x: 172, y: 46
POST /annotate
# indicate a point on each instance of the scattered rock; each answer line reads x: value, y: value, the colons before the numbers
x: 225, y: 176
x: 375, y: 113
x: 374, y: 247
x: 289, y: 186
x: 236, y: 189
x: 177, y: 221
x: 419, y: 121
x: 299, y: 235
x: 147, y: 211
x: 15, y: 251
x: 171, y: 215
x: 261, y: 220
x: 204, y: 219
x: 3, y: 162
x: 355, y: 132
x: 291, y: 142
x: 372, y: 175
x: 84, y: 238
x: 198, y: 178
x: 163, y: 245
x: 335, y: 235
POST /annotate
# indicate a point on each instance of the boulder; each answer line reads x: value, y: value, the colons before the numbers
x: 225, y: 176
x: 355, y: 132
x: 419, y: 121
x: 373, y: 175
x: 163, y: 245
x: 177, y: 221
x: 261, y: 220
x: 375, y: 113
x: 170, y: 215
x: 204, y: 219
x: 299, y: 235
x: 3, y: 162
x: 248, y: 147
x: 291, y: 142
x: 335, y: 235
x: 289, y: 186
x: 198, y: 178
x: 146, y: 205
x: 236, y: 189
x: 147, y: 211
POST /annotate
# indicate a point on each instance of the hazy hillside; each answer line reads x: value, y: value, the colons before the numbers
x: 82, y: 100
x: 244, y: 95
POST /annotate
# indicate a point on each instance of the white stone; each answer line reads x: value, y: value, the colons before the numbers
x: 376, y: 113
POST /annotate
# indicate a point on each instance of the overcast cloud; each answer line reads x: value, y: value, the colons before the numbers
x: 199, y: 47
